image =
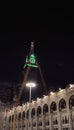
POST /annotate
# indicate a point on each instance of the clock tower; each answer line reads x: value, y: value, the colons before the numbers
x: 31, y: 59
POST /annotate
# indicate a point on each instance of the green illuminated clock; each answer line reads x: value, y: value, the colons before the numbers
x: 32, y: 59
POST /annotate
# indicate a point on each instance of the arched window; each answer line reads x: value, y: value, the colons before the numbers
x: 27, y: 114
x: 71, y: 102
x: 19, y: 116
x: 33, y: 112
x: 56, y: 121
x: 9, y: 119
x: 62, y: 104
x: 5, y: 118
x: 12, y: 118
x: 66, y: 120
x: 53, y: 107
x: 23, y: 115
x: 45, y: 109
x: 38, y: 110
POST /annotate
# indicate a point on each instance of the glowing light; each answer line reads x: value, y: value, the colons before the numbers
x: 52, y: 93
x: 33, y: 101
x: 32, y: 65
x: 60, y: 89
x: 71, y: 86
x: 38, y: 98
x: 32, y: 59
x: 30, y: 84
x: 44, y: 96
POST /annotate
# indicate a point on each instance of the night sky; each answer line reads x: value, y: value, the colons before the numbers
x: 53, y: 34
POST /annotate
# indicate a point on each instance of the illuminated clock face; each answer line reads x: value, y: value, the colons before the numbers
x: 32, y: 59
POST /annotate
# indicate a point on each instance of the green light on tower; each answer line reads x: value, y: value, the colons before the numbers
x: 32, y: 59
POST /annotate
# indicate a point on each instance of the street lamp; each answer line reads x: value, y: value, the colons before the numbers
x: 30, y: 85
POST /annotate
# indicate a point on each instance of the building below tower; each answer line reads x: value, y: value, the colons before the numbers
x: 52, y: 112
x: 3, y: 110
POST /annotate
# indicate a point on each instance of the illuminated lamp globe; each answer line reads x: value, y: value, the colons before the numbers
x: 30, y: 84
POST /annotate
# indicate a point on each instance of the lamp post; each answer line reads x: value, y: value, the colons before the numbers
x: 30, y: 85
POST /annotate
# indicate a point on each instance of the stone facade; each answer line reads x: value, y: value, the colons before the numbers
x: 52, y: 112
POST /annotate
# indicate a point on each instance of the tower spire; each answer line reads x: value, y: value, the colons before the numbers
x: 32, y: 48
x: 32, y: 44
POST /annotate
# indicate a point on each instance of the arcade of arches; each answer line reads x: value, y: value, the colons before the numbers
x: 48, y: 113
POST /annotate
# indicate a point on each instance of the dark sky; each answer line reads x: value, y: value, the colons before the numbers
x: 52, y: 31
